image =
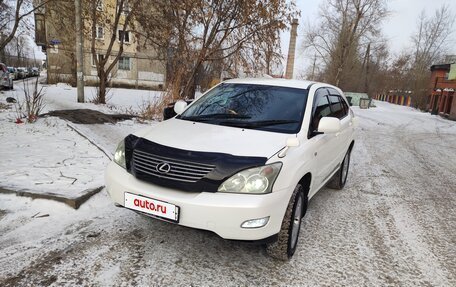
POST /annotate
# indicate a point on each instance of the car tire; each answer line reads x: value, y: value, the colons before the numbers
x: 285, y: 246
x: 340, y: 178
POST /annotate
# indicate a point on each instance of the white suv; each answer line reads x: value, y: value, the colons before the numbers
x: 242, y: 161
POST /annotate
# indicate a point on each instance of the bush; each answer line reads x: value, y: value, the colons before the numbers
x: 151, y: 110
x: 32, y: 105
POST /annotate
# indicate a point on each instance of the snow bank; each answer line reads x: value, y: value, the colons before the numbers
x: 48, y: 157
x: 55, y: 158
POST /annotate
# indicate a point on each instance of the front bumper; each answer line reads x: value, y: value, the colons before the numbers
x: 222, y: 213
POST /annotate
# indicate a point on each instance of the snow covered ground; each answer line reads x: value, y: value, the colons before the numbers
x: 393, y: 225
x: 49, y: 157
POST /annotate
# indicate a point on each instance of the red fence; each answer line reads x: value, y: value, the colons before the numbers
x: 395, y: 99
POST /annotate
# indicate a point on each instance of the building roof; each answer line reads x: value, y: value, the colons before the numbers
x: 445, y: 67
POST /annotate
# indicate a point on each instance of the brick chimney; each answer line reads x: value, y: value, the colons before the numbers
x: 292, y: 49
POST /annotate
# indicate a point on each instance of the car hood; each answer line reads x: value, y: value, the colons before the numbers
x: 196, y: 136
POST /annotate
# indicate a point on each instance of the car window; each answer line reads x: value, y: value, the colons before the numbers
x: 337, y: 110
x: 261, y: 107
x: 321, y: 108
x: 346, y: 107
x: 338, y: 105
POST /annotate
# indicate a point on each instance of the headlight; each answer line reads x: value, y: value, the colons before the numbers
x: 119, y: 155
x: 258, y: 180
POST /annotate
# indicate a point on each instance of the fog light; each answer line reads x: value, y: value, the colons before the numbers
x: 255, y: 223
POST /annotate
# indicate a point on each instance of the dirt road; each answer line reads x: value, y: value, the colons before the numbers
x: 393, y: 225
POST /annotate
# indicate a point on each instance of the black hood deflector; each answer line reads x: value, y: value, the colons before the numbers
x: 226, y: 165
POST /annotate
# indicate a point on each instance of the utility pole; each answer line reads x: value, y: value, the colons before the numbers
x: 79, y: 51
x: 366, y: 69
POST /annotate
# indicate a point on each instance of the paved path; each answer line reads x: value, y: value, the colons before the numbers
x: 393, y: 225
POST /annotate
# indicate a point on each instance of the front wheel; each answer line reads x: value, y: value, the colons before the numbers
x: 285, y: 246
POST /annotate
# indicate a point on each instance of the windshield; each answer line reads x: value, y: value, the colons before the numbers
x: 269, y: 108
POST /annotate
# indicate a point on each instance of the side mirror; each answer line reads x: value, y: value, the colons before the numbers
x: 179, y: 107
x: 329, y: 125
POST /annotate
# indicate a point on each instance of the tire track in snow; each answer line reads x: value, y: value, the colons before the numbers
x: 411, y: 234
x: 396, y: 223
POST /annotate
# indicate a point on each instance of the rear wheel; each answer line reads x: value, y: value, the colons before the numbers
x: 340, y: 178
x: 285, y: 246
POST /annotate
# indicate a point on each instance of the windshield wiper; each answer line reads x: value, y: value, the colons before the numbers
x: 258, y: 124
x: 215, y: 116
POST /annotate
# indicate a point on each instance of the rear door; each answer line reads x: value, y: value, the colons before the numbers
x: 340, y: 110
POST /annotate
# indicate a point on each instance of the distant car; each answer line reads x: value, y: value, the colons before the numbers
x: 13, y: 72
x: 6, y: 81
x: 35, y: 71
x: 21, y: 73
x: 29, y: 72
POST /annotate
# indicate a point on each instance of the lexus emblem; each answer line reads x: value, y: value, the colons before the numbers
x: 163, y: 167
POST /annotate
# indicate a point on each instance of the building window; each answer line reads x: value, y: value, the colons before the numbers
x: 124, y: 36
x: 100, y: 58
x: 125, y: 7
x: 100, y: 32
x: 100, y: 5
x: 124, y: 63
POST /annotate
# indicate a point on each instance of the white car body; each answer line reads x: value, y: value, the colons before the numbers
x: 223, y: 213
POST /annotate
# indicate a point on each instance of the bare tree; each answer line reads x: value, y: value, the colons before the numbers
x: 372, y: 77
x: 111, y: 28
x: 12, y: 15
x: 116, y: 22
x: 398, y: 77
x: 430, y: 42
x: 347, y: 28
x: 261, y: 56
x: 19, y: 47
x: 204, y: 31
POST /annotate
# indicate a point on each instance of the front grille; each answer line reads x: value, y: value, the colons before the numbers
x: 148, y: 164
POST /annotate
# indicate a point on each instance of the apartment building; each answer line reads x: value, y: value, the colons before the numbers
x: 140, y: 65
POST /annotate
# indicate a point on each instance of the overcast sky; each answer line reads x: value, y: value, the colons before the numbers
x: 397, y: 28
